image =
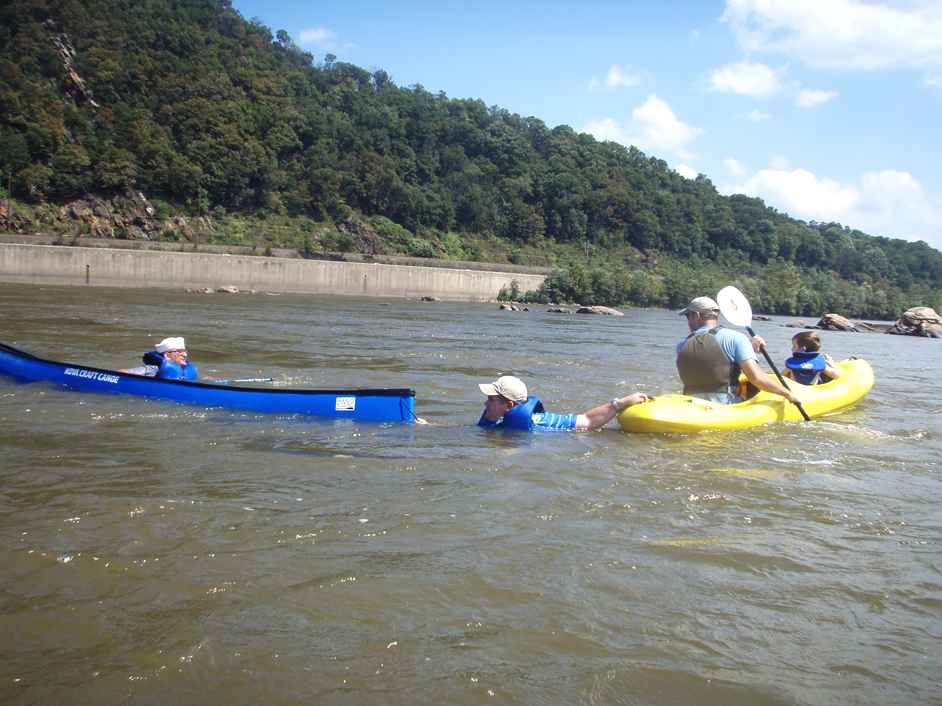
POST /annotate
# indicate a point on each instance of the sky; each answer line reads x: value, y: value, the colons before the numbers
x: 828, y: 110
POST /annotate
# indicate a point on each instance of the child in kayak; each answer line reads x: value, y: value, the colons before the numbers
x: 808, y: 365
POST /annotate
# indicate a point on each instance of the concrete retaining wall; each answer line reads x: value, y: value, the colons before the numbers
x: 50, y: 264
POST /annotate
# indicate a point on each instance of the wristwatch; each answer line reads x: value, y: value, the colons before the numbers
x: 615, y: 405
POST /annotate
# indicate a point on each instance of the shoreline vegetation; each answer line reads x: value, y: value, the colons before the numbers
x: 219, y: 132
x: 228, y: 264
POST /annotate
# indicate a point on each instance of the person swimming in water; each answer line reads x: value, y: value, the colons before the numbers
x: 510, y: 406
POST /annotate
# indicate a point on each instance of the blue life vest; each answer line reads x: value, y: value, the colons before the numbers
x: 519, y: 418
x: 168, y: 370
x: 807, y: 366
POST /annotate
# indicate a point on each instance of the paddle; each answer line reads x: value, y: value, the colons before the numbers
x: 237, y: 380
x: 736, y: 309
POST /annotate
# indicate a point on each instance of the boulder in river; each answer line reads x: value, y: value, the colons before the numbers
x: 918, y: 321
x: 836, y: 322
x: 604, y: 310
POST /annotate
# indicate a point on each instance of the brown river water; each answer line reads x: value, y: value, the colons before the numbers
x: 158, y: 554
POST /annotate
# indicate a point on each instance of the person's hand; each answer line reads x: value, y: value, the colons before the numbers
x: 632, y: 399
x: 829, y: 360
x: 793, y: 398
x: 758, y: 343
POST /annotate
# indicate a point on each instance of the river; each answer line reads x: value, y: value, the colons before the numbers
x: 159, y: 554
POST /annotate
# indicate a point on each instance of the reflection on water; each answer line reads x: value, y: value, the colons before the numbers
x: 154, y: 553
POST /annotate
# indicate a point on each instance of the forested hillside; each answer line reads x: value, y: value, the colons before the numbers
x: 208, y: 113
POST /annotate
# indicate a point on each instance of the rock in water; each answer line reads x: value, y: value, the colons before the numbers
x: 836, y: 322
x: 604, y: 310
x: 918, y: 321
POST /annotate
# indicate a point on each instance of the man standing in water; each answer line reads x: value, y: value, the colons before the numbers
x: 710, y: 357
x: 509, y: 406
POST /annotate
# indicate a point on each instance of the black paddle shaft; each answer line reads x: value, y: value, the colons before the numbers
x: 768, y: 359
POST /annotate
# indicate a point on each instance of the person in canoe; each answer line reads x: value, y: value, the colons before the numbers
x: 168, y: 360
x: 808, y: 365
x: 710, y: 357
x: 509, y: 406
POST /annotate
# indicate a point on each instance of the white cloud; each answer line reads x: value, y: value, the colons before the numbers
x: 844, y: 34
x: 801, y: 193
x: 607, y: 129
x: 809, y: 98
x: 757, y: 116
x: 889, y: 202
x: 617, y: 77
x: 685, y: 171
x: 934, y: 81
x: 746, y: 78
x: 318, y: 36
x: 734, y: 166
x: 654, y: 126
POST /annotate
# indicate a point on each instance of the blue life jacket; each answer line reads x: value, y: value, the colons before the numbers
x: 519, y: 418
x: 807, y: 366
x: 168, y: 370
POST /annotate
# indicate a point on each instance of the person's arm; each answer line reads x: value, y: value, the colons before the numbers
x: 787, y: 373
x: 145, y: 370
x: 760, y: 379
x: 831, y: 370
x: 600, y: 416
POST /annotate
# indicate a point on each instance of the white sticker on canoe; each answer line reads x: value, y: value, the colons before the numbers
x: 346, y: 404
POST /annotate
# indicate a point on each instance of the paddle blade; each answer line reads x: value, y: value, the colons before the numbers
x: 734, y: 306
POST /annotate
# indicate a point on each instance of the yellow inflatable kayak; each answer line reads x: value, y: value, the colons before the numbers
x: 680, y: 413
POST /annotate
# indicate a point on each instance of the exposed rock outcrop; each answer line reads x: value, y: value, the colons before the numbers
x: 76, y: 84
x: 918, y: 321
x: 130, y: 216
x: 836, y: 322
x: 604, y: 310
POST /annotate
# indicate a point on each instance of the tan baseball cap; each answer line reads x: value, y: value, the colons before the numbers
x: 507, y: 386
x: 701, y: 305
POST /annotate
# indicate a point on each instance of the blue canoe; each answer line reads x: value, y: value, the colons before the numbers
x: 381, y: 405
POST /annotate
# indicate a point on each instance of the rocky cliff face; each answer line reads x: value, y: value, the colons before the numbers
x: 130, y: 217
x: 76, y: 84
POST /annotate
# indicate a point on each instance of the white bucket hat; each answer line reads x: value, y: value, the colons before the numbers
x: 171, y: 344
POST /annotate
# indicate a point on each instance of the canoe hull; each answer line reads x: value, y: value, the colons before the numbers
x: 681, y: 413
x: 372, y: 405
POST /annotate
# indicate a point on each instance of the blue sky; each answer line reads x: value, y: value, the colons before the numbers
x: 826, y: 109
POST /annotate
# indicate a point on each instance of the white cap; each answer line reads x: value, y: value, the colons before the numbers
x: 508, y: 387
x: 170, y: 344
x: 701, y: 305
